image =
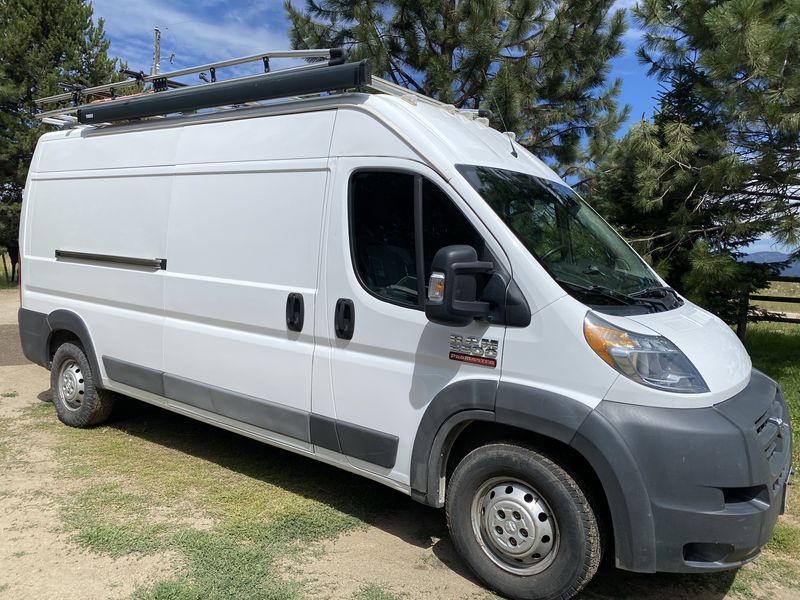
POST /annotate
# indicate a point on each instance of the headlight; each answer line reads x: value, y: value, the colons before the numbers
x: 651, y: 360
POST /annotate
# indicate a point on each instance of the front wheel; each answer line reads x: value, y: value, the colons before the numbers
x: 522, y: 523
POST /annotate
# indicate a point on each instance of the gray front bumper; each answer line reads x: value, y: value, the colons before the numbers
x: 702, y: 487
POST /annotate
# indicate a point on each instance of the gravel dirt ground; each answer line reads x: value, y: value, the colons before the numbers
x: 388, y: 548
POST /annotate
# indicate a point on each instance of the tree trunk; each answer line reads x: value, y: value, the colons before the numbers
x: 13, y: 254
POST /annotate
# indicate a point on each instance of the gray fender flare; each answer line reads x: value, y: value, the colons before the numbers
x: 549, y: 415
x: 628, y: 499
x: 65, y: 320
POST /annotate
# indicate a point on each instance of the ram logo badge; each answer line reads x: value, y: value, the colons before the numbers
x: 473, y: 350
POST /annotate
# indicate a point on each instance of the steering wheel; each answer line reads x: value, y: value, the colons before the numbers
x: 552, y: 251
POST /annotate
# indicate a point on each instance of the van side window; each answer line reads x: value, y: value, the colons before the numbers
x: 443, y: 224
x: 383, y: 224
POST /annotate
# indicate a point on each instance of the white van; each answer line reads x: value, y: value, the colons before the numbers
x: 392, y: 287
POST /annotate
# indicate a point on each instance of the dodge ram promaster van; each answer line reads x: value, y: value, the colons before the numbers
x: 389, y: 285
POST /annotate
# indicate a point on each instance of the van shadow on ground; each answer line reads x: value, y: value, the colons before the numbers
x: 375, y: 504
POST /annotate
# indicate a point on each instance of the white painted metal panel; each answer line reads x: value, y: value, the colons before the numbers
x: 239, y: 243
x: 120, y: 216
x: 84, y: 149
x: 361, y: 133
x: 306, y: 135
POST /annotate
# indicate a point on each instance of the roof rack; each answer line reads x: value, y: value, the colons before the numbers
x: 329, y: 73
x: 99, y: 99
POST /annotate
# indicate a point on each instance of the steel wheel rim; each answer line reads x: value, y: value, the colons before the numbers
x: 71, y: 385
x: 514, y: 526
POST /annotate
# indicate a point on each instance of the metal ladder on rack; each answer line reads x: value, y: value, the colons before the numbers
x: 102, y: 104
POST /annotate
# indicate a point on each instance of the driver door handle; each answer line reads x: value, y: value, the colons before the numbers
x: 344, y: 321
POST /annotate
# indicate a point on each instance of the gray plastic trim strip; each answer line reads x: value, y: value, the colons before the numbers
x: 126, y: 261
x: 248, y: 409
x: 142, y: 378
x: 346, y: 438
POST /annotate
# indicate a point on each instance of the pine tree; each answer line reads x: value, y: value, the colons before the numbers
x: 719, y: 164
x: 42, y: 43
x: 541, y: 67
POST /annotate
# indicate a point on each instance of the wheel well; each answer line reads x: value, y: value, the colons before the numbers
x: 59, y: 337
x: 480, y: 433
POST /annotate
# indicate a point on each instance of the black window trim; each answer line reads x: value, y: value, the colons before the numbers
x: 419, y: 180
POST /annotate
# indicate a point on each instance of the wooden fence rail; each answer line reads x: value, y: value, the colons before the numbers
x: 744, y: 312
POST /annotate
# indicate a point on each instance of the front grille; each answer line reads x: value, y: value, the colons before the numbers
x: 773, y: 437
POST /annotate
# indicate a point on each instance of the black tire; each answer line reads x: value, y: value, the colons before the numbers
x: 576, y: 549
x: 78, y: 400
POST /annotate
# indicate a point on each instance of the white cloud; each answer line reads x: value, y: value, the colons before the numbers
x: 197, y: 31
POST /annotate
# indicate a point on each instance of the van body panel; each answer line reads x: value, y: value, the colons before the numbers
x: 122, y: 306
x: 280, y: 137
x: 91, y: 149
x: 276, y: 212
x: 373, y: 136
x: 551, y: 355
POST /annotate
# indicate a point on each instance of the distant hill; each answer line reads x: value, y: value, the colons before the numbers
x: 792, y: 270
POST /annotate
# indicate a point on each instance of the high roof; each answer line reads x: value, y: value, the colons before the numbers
x: 442, y: 134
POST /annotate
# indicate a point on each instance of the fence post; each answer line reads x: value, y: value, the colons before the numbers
x: 744, y: 308
x: 5, y: 265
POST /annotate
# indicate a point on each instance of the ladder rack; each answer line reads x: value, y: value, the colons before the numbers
x: 329, y: 73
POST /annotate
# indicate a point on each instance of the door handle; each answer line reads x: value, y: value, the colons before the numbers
x: 294, y: 312
x: 345, y: 318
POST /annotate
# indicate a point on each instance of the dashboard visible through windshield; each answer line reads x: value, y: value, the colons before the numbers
x: 576, y: 246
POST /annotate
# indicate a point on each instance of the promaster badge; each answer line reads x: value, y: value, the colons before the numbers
x: 473, y: 350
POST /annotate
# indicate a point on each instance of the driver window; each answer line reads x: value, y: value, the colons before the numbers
x: 384, y: 246
x: 443, y: 224
x: 382, y: 223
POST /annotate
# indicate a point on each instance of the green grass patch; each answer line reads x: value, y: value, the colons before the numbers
x: 7, y: 450
x: 780, y: 288
x: 785, y: 540
x: 11, y: 394
x: 757, y: 579
x: 775, y: 350
x: 228, y: 506
x: 374, y: 592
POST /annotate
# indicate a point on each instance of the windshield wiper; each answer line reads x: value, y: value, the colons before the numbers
x: 600, y: 290
x: 658, y: 292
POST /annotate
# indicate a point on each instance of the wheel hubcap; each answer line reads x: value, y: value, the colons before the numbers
x: 515, y: 526
x: 71, y: 389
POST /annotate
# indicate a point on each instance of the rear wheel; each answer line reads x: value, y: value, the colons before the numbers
x: 79, y: 403
x: 522, y: 523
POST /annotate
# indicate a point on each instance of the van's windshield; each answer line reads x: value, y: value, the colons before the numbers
x: 576, y: 246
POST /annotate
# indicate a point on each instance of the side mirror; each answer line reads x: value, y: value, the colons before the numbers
x: 453, y: 287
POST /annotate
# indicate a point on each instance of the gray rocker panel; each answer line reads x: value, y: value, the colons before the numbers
x: 346, y: 438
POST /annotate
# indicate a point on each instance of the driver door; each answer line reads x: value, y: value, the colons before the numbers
x: 387, y: 219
